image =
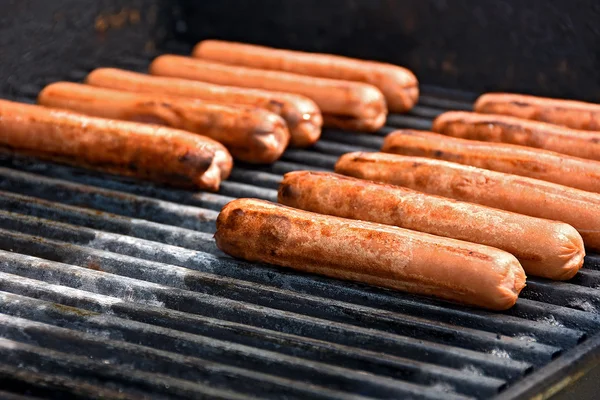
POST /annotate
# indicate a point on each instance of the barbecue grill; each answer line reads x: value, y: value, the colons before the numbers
x: 114, y: 288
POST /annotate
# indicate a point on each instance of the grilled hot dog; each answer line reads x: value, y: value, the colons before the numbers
x: 161, y: 154
x: 251, y: 134
x: 569, y: 113
x: 519, y: 160
x: 544, y: 248
x: 301, y: 114
x: 500, y: 128
x: 257, y: 230
x: 399, y: 85
x: 343, y: 99
x: 514, y: 193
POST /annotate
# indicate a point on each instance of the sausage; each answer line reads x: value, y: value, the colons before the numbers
x: 519, y: 194
x: 382, y: 255
x: 152, y: 152
x: 301, y: 114
x: 512, y: 159
x: 500, y: 128
x: 341, y: 98
x: 398, y: 84
x: 569, y: 113
x: 251, y: 134
x: 544, y: 248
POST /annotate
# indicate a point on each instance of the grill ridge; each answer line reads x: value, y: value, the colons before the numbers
x: 257, y: 337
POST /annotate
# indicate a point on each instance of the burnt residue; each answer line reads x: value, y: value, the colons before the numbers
x: 276, y: 106
x: 197, y: 160
x: 530, y: 257
x: 474, y: 254
x: 229, y: 218
x: 155, y: 112
x: 288, y: 192
x: 148, y: 118
x: 94, y: 264
x: 485, y: 125
x: 519, y: 103
x: 116, y: 21
x: 73, y: 310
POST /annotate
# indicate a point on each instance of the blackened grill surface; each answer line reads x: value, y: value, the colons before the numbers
x: 114, y: 287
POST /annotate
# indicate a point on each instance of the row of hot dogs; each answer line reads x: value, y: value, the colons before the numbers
x: 462, y: 213
x: 227, y: 101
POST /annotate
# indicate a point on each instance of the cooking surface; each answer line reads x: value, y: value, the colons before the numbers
x: 114, y: 287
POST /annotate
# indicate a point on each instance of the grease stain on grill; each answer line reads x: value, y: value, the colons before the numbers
x: 94, y: 265
x: 73, y: 310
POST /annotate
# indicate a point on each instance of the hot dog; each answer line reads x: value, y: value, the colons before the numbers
x: 500, y: 128
x: 544, y: 248
x: 345, y: 99
x: 398, y: 84
x: 512, y: 159
x: 152, y: 152
x: 251, y: 134
x: 569, y: 113
x: 508, y: 192
x: 383, y: 255
x: 301, y: 114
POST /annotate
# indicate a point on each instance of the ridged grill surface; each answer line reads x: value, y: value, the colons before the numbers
x: 114, y: 287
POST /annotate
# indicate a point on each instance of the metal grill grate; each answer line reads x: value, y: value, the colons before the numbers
x: 113, y: 287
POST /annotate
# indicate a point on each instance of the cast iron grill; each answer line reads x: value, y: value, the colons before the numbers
x: 114, y: 287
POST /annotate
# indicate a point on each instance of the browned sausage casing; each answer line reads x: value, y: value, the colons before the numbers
x: 500, y: 128
x: 398, y: 84
x: 416, y: 262
x: 519, y: 160
x: 346, y: 99
x: 544, y: 248
x: 158, y: 153
x: 569, y: 113
x: 519, y: 194
x: 251, y: 134
x: 301, y: 114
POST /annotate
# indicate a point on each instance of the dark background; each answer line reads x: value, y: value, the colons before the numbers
x: 542, y: 47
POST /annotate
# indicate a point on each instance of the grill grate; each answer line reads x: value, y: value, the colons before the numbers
x: 114, y: 287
